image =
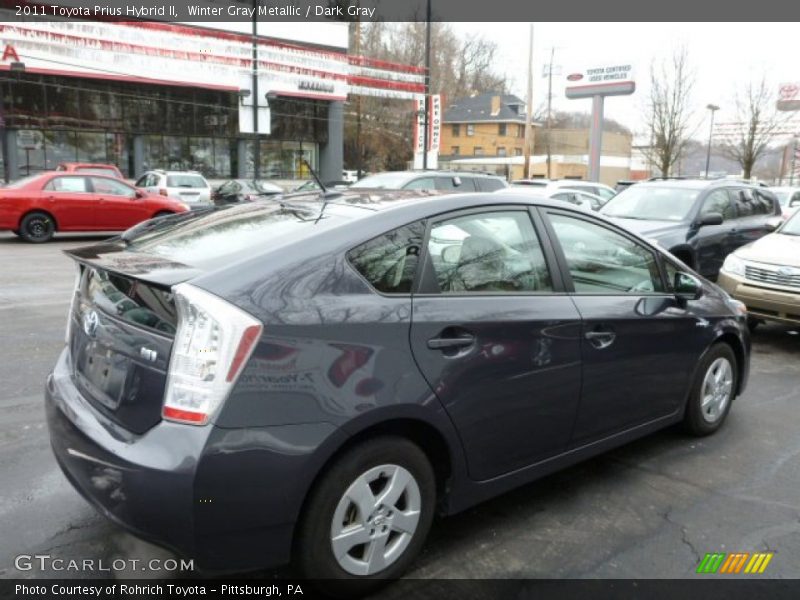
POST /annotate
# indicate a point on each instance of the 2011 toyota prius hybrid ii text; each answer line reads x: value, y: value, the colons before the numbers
x: 311, y: 382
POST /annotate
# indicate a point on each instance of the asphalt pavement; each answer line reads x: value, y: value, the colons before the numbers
x: 651, y: 509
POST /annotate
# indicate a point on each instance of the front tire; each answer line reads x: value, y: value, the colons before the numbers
x: 37, y: 227
x: 712, y: 391
x: 368, y: 517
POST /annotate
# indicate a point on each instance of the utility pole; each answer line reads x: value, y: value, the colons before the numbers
x: 359, y: 166
x: 713, y: 108
x: 794, y: 159
x: 257, y: 140
x: 426, y: 133
x: 529, y: 111
x: 549, y: 106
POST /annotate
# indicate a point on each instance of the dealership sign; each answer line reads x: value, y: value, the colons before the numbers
x: 789, y: 96
x: 603, y: 80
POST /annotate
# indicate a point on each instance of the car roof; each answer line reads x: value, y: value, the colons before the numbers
x: 696, y: 184
x: 420, y: 172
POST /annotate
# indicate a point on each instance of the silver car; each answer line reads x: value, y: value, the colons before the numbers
x: 189, y: 187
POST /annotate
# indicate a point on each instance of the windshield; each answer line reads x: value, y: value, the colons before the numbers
x: 186, y: 181
x: 651, y: 203
x: 383, y: 181
x: 792, y: 226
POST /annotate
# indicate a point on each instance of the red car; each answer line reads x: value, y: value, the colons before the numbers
x: 91, y: 169
x: 36, y: 207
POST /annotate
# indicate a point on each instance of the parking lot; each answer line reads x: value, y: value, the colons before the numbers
x: 651, y: 509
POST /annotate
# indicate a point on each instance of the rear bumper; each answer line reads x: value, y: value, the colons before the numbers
x: 763, y: 302
x: 226, y: 498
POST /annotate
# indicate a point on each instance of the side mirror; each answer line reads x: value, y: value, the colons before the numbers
x: 687, y: 287
x: 713, y: 218
x: 773, y: 223
x: 141, y: 193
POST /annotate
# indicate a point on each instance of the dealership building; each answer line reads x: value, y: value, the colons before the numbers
x: 146, y: 95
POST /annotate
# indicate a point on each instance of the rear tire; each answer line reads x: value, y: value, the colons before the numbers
x: 37, y: 227
x: 375, y: 505
x: 712, y: 391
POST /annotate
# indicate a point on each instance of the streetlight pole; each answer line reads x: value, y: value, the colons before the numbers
x: 256, y: 141
x: 426, y: 133
x: 713, y: 108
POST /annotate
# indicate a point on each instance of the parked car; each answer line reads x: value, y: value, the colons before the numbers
x: 580, y: 198
x: 244, y: 190
x: 187, y: 186
x: 789, y: 199
x: 552, y: 185
x: 90, y: 169
x: 301, y: 410
x: 449, y: 182
x: 698, y: 220
x: 38, y: 206
x: 765, y: 275
x: 570, y: 196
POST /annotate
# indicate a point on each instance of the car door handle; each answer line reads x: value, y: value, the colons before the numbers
x: 446, y: 343
x: 600, y: 339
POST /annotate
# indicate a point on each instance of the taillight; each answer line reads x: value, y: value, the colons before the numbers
x: 163, y: 192
x: 213, y: 342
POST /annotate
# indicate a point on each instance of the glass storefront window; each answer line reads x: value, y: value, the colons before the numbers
x: 91, y: 147
x: 271, y: 163
x: 30, y: 159
x: 60, y: 146
x: 222, y: 157
x: 201, y: 151
x: 117, y: 152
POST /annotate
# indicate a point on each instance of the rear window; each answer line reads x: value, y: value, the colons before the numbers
x: 217, y: 238
x: 98, y: 171
x: 186, y: 181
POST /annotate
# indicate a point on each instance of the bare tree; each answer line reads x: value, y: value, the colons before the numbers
x: 668, y: 110
x: 758, y: 121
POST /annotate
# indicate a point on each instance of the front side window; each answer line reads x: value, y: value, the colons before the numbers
x: 488, y: 252
x: 389, y: 262
x: 602, y: 261
x: 718, y: 202
x: 67, y: 184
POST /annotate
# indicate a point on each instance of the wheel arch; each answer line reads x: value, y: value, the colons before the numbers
x: 731, y: 339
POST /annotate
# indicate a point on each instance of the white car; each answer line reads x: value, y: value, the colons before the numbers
x: 574, y: 197
x: 549, y: 186
x: 789, y: 199
x: 189, y: 187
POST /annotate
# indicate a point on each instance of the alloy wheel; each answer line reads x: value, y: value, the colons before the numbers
x: 717, y: 389
x: 375, y: 520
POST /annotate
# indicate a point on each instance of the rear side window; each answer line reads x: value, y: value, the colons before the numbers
x: 767, y: 203
x: 67, y: 184
x: 389, y: 262
x: 744, y: 203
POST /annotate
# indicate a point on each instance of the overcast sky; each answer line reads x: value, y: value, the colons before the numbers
x: 723, y: 56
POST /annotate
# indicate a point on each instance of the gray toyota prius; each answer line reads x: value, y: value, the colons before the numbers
x: 311, y: 380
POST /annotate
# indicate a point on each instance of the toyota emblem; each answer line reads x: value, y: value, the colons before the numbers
x: 90, y: 322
